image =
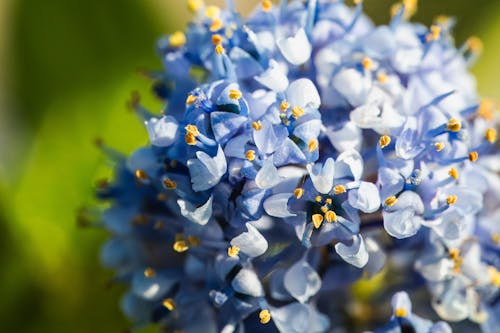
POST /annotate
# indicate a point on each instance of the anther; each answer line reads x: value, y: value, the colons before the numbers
x: 141, y: 175
x: 297, y: 112
x: 400, y: 313
x: 212, y: 12
x: 454, y: 125
x: 451, y: 199
x: 439, y: 146
x: 177, y: 39
x: 195, y: 5
x: 318, y: 198
x: 217, y: 39
x: 180, y: 244
x: 474, y: 44
x: 250, y: 155
x: 190, y: 139
x: 313, y: 145
x: 257, y: 125
x: 264, y: 316
x: 435, y: 33
x: 384, y: 141
x: 233, y: 251
x: 382, y: 78
x: 486, y: 109
x: 330, y: 216
x: 219, y: 49
x: 267, y: 5
x: 391, y: 201
x: 234, y: 94
x: 453, y: 173
x: 284, y: 106
x: 149, y: 273
x: 473, y: 156
x: 367, y: 63
x: 169, y: 304
x: 169, y: 184
x: 339, y: 189
x: 298, y: 192
x: 216, y: 25
x: 491, y: 135
x: 193, y: 129
x: 190, y: 99
x: 317, y: 219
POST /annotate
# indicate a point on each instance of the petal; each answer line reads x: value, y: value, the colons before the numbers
x: 277, y: 205
x: 303, y: 93
x: 401, y: 300
x: 322, y: 175
x: 302, y: 281
x: 296, y: 49
x: 268, y: 176
x: 152, y: 288
x: 346, y: 138
x: 402, y: 223
x: 351, y: 84
x: 247, y: 282
x: 162, y: 132
x: 349, y: 164
x: 206, y: 171
x: 252, y: 243
x: 299, y: 318
x: 273, y: 78
x: 225, y: 125
x: 365, y: 198
x: 355, y: 254
x: 199, y: 215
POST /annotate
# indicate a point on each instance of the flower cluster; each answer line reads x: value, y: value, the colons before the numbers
x: 302, y: 149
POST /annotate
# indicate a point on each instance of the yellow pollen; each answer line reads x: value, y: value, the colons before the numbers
x: 234, y: 94
x: 212, y: 12
x: 267, y: 5
x: 486, y: 109
x: 384, y: 141
x: 284, y: 106
x: 216, y: 25
x: 454, y: 125
x: 298, y: 192
x: 141, y: 174
x: 169, y: 184
x: 219, y: 49
x: 357, y: 2
x: 193, y: 240
x: 250, y: 155
x: 149, y: 273
x: 217, y: 39
x: 410, y: 6
x: 367, y: 63
x: 435, y: 33
x: 391, y: 201
x: 190, y: 139
x: 328, y: 201
x: 169, y: 304
x: 162, y: 197
x: 190, y: 99
x: 195, y: 5
x: 339, y: 189
x: 180, y: 245
x: 297, y: 112
x: 439, y: 146
x: 400, y: 313
x: 233, y: 251
x: 313, y: 145
x: 454, y: 253
x: 257, y: 125
x: 474, y: 44
x: 264, y: 316
x: 473, y: 156
x: 491, y: 135
x: 330, y: 216
x: 317, y: 219
x: 324, y: 208
x: 495, y: 238
x: 451, y: 199
x: 318, y: 198
x: 192, y: 129
x: 494, y: 276
x: 177, y: 39
x: 453, y: 173
x: 382, y: 78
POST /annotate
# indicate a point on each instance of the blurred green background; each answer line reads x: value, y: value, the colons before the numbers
x: 67, y: 68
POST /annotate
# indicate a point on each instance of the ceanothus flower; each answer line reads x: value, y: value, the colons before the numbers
x: 304, y: 152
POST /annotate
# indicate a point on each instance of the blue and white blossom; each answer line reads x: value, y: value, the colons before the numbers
x: 302, y: 151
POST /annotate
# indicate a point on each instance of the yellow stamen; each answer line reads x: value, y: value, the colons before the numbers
x: 410, y: 7
x: 162, y: 196
x: 317, y: 219
x: 180, y: 245
x: 439, y: 146
x: 494, y: 276
x: 491, y: 135
x: 495, y: 238
x: 264, y: 316
x: 169, y: 184
x: 141, y: 175
x: 193, y: 129
x: 451, y: 199
x: 486, y: 109
x: 190, y: 139
x: 234, y: 94
x: 193, y: 241
x: 250, y: 155
x: 233, y: 251
x: 298, y: 192
x: 177, y: 39
x: 318, y: 198
x: 391, y: 201
x: 367, y: 64
x: 190, y: 99
x: 454, y: 253
x: 257, y: 125
x: 169, y: 304
x: 339, y: 189
x: 149, y: 273
x: 400, y: 313
x: 474, y: 44
x: 284, y: 106
x: 216, y: 25
x: 435, y: 33
x: 453, y: 173
x: 454, y: 125
x: 384, y: 141
x: 212, y: 12
x: 313, y: 145
x: 357, y: 2
x: 324, y: 209
x: 217, y: 39
x: 328, y: 201
x: 267, y: 5
x: 330, y: 216
x: 195, y: 5
x: 297, y: 112
x: 219, y: 49
x: 382, y: 78
x: 473, y: 156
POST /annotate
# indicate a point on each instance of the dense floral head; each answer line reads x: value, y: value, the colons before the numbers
x: 302, y: 149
